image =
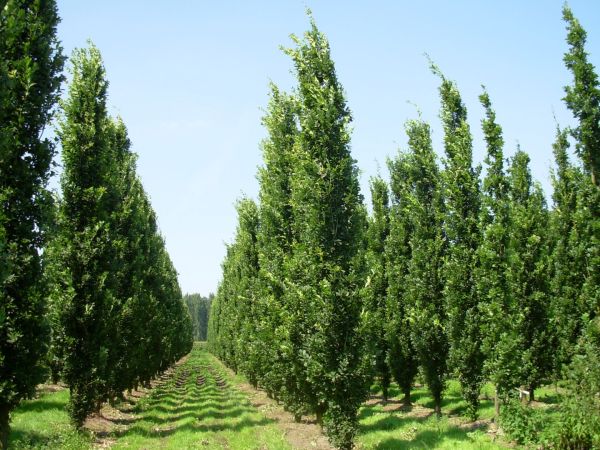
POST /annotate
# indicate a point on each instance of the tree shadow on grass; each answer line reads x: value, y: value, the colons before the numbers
x: 165, y: 431
x: 41, y: 405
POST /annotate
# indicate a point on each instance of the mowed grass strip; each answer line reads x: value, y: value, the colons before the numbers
x: 391, y: 426
x: 43, y: 423
x: 199, y: 408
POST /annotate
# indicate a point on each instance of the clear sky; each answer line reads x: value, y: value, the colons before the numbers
x: 190, y: 78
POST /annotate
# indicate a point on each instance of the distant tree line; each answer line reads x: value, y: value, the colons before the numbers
x: 199, y: 308
x: 454, y: 273
x: 87, y: 288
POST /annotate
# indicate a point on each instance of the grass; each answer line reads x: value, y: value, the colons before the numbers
x: 43, y: 423
x: 198, y: 406
x: 391, y: 427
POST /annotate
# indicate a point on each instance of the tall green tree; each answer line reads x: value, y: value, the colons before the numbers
x: 492, y: 258
x: 425, y: 280
x: 327, y: 222
x: 565, y: 268
x: 275, y: 239
x: 199, y: 308
x: 118, y: 313
x: 233, y: 323
x: 579, y: 425
x: 86, y: 209
x: 377, y: 282
x: 583, y: 97
x: 31, y: 65
x: 402, y: 357
x: 528, y: 275
x: 462, y: 205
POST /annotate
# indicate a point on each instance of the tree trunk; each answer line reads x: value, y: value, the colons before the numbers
x: 4, y: 426
x: 406, y: 400
x: 320, y: 412
x: 438, y: 409
x: 496, y: 406
x: 385, y: 394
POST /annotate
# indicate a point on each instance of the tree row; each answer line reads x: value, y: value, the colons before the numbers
x: 453, y: 274
x: 87, y: 289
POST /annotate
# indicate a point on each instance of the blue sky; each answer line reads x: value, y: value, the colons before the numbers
x: 190, y: 78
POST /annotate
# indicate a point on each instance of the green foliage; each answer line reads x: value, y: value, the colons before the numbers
x: 275, y: 238
x: 375, y: 291
x: 117, y: 311
x: 528, y: 275
x: 30, y: 77
x: 521, y: 423
x: 492, y: 257
x: 425, y: 281
x: 199, y: 309
x: 327, y: 224
x: 462, y: 206
x: 232, y: 320
x: 402, y: 357
x: 583, y: 97
x: 579, y: 423
x: 565, y: 266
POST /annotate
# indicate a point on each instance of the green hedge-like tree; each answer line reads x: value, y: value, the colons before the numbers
x: 492, y: 257
x: 377, y: 282
x: 31, y: 65
x: 86, y: 208
x: 199, y: 308
x: 275, y: 240
x: 462, y: 205
x: 402, y: 357
x: 425, y: 279
x: 232, y: 322
x: 565, y: 268
x: 583, y: 99
x: 527, y: 277
x: 328, y: 220
x: 118, y: 313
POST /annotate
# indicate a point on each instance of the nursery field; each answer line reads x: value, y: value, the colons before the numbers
x: 201, y: 404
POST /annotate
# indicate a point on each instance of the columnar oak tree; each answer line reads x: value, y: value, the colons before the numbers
x: 492, y: 257
x: 402, y: 357
x: 30, y: 77
x: 462, y: 204
x: 327, y: 222
x: 86, y: 207
x: 377, y: 283
x: 275, y: 242
x: 527, y: 277
x: 425, y: 280
x: 117, y: 310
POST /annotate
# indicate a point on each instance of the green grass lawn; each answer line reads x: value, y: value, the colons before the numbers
x: 392, y: 427
x: 199, y: 406
x: 43, y: 423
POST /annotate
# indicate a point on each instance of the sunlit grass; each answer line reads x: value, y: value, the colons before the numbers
x: 199, y: 406
x: 198, y: 413
x: 43, y: 423
x: 392, y: 427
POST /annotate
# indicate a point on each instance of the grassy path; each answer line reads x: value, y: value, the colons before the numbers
x: 196, y: 407
x: 200, y: 404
